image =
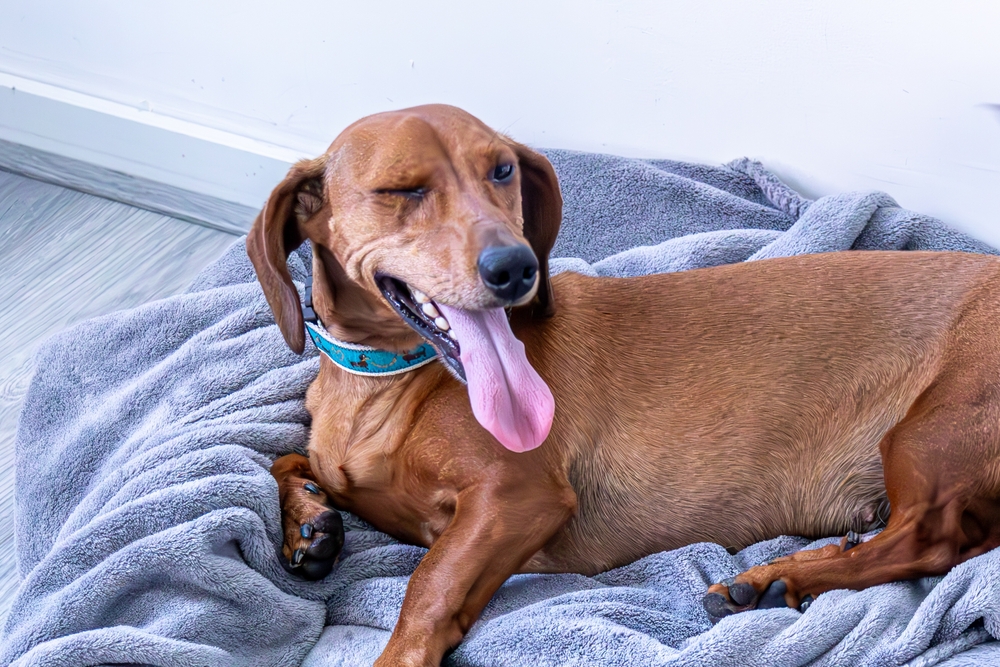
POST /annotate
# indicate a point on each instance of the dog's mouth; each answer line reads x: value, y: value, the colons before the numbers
x: 425, y: 317
x: 508, y: 397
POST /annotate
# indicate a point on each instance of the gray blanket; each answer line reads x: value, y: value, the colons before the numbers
x: 148, y: 524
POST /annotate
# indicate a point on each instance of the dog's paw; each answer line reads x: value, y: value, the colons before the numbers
x: 730, y: 597
x: 314, y: 531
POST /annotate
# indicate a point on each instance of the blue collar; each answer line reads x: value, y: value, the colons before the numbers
x: 360, y: 359
x: 364, y: 360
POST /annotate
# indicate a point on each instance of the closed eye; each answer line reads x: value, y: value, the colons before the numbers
x: 409, y: 193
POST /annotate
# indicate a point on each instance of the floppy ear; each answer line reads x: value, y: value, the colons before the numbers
x: 275, y: 233
x: 541, y: 206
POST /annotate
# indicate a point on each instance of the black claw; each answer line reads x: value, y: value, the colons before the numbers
x: 297, y: 557
x: 742, y: 594
x: 852, y: 540
x: 806, y: 601
x: 774, y: 596
x: 716, y: 605
x: 306, y: 530
x: 289, y: 568
x: 312, y: 488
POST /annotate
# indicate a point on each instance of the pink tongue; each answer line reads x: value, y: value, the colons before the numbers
x: 508, y: 397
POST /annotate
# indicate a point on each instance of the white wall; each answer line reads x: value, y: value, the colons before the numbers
x: 832, y: 94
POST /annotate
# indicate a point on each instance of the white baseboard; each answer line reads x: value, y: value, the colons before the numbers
x: 152, y: 161
x: 117, y: 186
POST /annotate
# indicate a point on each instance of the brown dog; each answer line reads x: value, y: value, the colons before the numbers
x: 732, y: 404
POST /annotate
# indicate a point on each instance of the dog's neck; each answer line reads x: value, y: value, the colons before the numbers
x: 351, y: 313
x: 344, y: 335
x: 365, y: 409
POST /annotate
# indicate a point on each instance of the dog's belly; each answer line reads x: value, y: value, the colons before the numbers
x: 731, y: 492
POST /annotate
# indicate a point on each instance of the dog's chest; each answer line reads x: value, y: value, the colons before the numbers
x: 361, y: 430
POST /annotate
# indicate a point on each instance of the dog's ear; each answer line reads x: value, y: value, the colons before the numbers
x: 275, y: 233
x: 541, y: 206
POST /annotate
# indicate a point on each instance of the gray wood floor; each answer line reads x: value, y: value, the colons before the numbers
x: 66, y: 256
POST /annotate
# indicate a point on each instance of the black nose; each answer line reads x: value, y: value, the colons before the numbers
x: 508, y: 271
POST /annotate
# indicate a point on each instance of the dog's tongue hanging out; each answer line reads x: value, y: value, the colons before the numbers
x: 508, y: 397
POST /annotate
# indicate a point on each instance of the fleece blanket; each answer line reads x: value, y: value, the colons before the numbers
x: 148, y: 525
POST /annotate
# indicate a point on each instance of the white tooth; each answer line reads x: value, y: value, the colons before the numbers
x: 451, y: 334
x: 429, y: 310
x: 442, y: 324
x: 420, y: 296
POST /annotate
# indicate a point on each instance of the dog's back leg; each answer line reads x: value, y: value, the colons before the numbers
x: 942, y: 473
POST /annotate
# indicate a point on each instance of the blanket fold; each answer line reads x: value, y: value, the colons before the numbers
x: 148, y: 523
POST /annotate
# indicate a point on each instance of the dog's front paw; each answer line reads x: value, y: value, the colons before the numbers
x: 314, y: 531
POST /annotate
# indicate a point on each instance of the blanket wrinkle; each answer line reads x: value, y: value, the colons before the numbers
x: 148, y: 526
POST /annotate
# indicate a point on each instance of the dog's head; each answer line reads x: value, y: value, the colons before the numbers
x: 424, y: 222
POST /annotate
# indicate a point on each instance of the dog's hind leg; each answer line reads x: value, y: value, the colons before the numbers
x: 942, y: 473
x: 314, y: 531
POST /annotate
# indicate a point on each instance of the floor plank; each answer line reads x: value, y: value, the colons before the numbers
x: 66, y: 256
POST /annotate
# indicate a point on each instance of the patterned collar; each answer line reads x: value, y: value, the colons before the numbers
x: 361, y: 359
x: 364, y: 360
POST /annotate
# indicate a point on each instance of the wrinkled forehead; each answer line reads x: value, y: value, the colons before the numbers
x: 395, y: 147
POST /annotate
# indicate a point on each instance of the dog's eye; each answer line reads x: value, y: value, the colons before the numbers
x: 409, y: 193
x: 503, y: 172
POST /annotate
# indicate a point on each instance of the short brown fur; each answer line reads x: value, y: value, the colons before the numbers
x: 732, y: 404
